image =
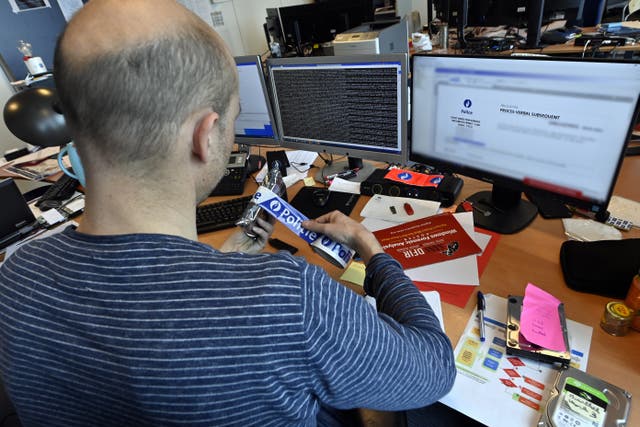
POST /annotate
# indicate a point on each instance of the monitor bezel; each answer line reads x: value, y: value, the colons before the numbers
x: 391, y: 158
x: 253, y: 140
x: 591, y: 205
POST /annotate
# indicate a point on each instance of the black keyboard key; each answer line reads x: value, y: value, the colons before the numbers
x: 216, y: 216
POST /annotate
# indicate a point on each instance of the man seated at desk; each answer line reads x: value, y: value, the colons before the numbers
x: 130, y: 321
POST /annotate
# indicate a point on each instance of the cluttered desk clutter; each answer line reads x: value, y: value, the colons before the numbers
x: 572, y: 28
x: 352, y: 255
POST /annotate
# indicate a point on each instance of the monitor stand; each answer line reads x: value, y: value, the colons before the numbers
x: 364, y: 169
x: 502, y: 210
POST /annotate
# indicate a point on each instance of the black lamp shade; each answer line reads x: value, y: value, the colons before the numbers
x: 33, y: 116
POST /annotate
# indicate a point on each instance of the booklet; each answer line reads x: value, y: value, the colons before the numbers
x: 427, y: 241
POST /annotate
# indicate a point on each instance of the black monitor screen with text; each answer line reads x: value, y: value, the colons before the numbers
x: 553, y: 126
x: 254, y: 124
x: 354, y: 106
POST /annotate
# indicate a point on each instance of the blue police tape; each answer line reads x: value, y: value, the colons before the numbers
x: 292, y: 219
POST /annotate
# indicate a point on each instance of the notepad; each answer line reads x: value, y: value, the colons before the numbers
x: 540, y: 321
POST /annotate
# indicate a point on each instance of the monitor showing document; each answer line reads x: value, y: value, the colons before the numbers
x: 553, y: 127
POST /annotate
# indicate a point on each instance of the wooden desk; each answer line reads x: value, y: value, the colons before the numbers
x: 529, y: 256
x: 562, y: 49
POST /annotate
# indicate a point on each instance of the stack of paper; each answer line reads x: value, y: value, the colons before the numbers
x: 456, y: 279
x: 488, y: 378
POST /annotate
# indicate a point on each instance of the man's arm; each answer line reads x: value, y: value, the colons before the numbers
x: 398, y: 358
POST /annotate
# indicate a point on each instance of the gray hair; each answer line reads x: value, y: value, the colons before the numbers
x: 128, y: 105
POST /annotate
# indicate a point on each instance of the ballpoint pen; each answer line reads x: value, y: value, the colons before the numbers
x: 481, y: 308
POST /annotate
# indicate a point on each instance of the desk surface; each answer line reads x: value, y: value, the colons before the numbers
x: 562, y: 49
x: 531, y: 255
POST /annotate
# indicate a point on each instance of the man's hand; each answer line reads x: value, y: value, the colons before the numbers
x: 240, y: 242
x: 345, y: 230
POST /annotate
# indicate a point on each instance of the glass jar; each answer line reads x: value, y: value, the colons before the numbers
x: 616, y: 318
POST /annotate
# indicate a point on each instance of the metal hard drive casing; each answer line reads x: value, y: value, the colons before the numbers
x: 578, y: 398
x: 517, y: 345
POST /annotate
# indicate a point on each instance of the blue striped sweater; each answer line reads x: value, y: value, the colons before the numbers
x: 159, y: 330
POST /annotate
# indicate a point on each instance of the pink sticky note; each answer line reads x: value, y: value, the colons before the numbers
x: 539, y: 319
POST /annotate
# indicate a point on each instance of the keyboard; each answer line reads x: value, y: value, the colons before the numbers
x: 57, y: 193
x: 216, y: 216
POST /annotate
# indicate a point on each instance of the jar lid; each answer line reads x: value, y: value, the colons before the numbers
x: 619, y: 311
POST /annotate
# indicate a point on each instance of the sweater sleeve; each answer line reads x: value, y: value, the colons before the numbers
x: 394, y: 359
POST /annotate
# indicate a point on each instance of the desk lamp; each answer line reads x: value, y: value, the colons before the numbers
x: 34, y: 115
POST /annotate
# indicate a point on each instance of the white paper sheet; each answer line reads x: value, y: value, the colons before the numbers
x: 488, y: 379
x: 69, y: 7
x: 461, y: 271
x: 36, y: 156
x: 432, y: 297
x: 625, y: 209
x: 379, y: 206
x: 344, y: 186
x: 300, y: 162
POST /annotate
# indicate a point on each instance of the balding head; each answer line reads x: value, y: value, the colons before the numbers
x: 129, y: 73
x: 110, y: 25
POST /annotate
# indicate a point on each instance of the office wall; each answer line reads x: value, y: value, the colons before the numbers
x: 405, y: 6
x: 242, y: 29
x: 422, y: 7
x: 7, y: 140
x: 243, y: 23
x: 40, y: 27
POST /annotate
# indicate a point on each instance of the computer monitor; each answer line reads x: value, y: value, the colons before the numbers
x: 514, y: 12
x: 255, y: 123
x: 550, y: 127
x: 16, y: 216
x: 303, y: 26
x: 532, y: 14
x: 489, y: 13
x: 582, y: 13
x: 354, y: 106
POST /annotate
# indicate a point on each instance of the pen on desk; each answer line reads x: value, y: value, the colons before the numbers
x: 350, y: 173
x: 481, y: 308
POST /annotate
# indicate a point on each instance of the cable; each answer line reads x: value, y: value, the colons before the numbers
x: 624, y: 18
x: 584, y: 50
x: 326, y: 161
x: 295, y: 166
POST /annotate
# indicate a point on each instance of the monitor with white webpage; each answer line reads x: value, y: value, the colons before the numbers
x: 351, y: 106
x: 550, y: 127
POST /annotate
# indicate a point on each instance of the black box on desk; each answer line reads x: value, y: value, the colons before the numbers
x: 446, y: 192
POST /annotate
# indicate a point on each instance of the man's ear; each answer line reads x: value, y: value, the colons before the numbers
x: 202, y: 135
